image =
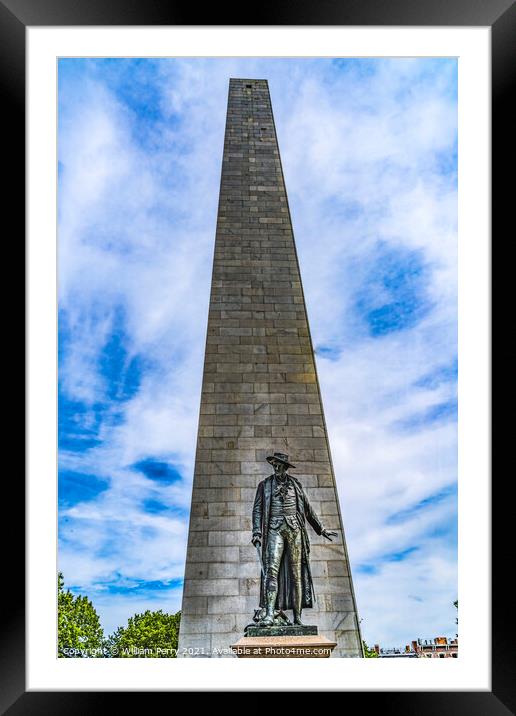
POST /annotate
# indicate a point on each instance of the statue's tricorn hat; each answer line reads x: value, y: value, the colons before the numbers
x: 280, y: 457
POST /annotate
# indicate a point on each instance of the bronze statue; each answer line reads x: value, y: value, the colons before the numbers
x: 280, y: 536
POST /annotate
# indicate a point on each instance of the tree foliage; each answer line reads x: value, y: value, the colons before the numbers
x: 149, y: 635
x: 79, y: 633
x: 369, y: 653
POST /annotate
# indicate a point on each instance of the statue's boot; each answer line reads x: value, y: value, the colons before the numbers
x: 270, y: 601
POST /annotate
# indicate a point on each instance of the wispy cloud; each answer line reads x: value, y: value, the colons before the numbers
x: 369, y: 153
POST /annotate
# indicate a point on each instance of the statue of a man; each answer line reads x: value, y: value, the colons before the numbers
x: 279, y: 513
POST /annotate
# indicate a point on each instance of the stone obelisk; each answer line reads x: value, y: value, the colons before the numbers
x: 260, y: 394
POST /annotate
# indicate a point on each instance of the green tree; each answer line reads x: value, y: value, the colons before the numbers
x: 369, y: 653
x: 151, y: 635
x: 79, y: 633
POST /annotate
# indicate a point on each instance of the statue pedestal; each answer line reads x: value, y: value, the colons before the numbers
x: 281, y: 630
x: 283, y: 647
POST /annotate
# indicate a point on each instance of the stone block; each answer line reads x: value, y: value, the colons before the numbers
x: 195, y: 605
x: 209, y: 524
x: 206, y: 587
x: 241, y: 605
x: 227, y: 538
x: 214, y: 554
x: 214, y: 624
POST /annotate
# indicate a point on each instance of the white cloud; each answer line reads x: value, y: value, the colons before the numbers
x: 410, y: 599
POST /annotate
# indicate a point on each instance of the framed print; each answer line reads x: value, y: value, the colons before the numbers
x: 189, y: 363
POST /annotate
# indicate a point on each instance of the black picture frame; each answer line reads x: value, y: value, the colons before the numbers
x: 500, y: 15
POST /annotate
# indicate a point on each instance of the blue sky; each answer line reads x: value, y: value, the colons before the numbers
x: 369, y: 151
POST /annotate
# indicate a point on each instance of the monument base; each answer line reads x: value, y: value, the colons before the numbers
x: 283, y: 647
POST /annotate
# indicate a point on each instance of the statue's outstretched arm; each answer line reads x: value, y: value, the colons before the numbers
x: 316, y: 523
x: 311, y: 517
